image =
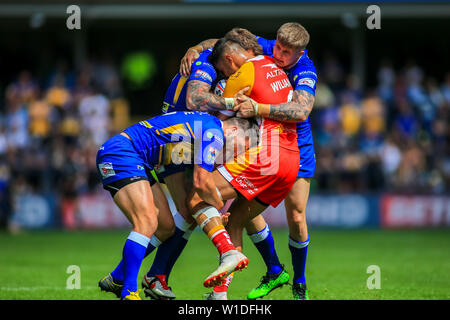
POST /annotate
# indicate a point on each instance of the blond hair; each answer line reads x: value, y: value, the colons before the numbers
x: 293, y: 35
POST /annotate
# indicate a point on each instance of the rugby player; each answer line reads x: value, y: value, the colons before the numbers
x: 289, y: 52
x: 192, y: 92
x: 124, y: 163
x: 256, y: 174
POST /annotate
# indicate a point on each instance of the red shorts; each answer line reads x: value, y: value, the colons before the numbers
x: 266, y: 175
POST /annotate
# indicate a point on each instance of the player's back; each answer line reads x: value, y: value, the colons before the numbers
x: 169, y: 138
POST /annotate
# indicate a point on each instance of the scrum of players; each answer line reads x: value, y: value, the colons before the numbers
x: 238, y: 107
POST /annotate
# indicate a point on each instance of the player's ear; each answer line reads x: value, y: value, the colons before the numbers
x: 228, y: 58
x: 231, y: 131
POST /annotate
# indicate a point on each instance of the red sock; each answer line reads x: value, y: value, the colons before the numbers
x: 222, y: 241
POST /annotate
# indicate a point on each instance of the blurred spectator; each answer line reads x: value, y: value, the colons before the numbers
x: 373, y: 114
x: 95, y: 118
x: 394, y: 137
x: 349, y: 115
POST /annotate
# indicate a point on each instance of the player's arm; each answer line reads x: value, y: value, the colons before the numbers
x: 200, y: 98
x: 205, y: 187
x: 297, y: 110
x: 192, y: 54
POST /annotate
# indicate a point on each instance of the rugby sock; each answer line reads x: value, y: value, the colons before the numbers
x: 299, y: 251
x: 171, y: 249
x: 118, y: 272
x: 225, y: 284
x: 221, y: 239
x: 218, y: 235
x: 165, y: 250
x: 133, y: 254
x: 176, y: 253
x: 263, y: 241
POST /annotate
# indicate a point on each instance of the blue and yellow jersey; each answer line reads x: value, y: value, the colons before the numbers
x: 302, y: 76
x: 189, y: 137
x: 202, y: 70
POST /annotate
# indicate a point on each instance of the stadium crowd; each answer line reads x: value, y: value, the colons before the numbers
x: 392, y: 137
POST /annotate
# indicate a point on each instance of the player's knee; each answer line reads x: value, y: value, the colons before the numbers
x: 146, y: 220
x: 298, y: 217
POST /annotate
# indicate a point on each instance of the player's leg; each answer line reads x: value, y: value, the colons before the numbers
x: 155, y: 282
x: 210, y: 221
x: 276, y: 276
x: 295, y: 204
x: 259, y: 232
x: 241, y: 211
x: 136, y: 202
x: 114, y: 281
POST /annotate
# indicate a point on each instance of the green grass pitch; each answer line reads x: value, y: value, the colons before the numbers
x: 413, y: 265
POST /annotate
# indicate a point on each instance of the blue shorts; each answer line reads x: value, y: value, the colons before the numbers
x: 118, y: 161
x: 167, y: 170
x: 307, y: 156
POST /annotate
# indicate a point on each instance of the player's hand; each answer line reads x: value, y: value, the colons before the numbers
x: 225, y: 218
x: 245, y: 107
x: 186, y: 62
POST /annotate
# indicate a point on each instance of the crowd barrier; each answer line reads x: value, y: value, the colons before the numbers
x: 350, y: 211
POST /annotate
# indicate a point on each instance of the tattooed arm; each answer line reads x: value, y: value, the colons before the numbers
x: 297, y: 110
x: 199, y: 98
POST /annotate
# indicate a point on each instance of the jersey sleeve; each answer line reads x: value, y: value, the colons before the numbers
x: 305, y: 78
x: 202, y: 70
x: 212, y: 144
x: 267, y: 45
x: 244, y: 77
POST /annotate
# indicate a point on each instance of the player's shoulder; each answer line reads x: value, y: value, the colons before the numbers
x: 203, y: 60
x: 202, y: 69
x: 304, y: 64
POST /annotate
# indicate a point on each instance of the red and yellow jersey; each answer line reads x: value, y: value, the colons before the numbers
x: 267, y: 84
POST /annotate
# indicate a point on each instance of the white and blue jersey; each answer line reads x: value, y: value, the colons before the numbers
x: 176, y: 138
x: 303, y: 76
x: 202, y: 70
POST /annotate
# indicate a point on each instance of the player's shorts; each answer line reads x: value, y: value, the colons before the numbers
x: 167, y: 170
x: 307, y: 154
x: 119, y: 164
x: 268, y: 179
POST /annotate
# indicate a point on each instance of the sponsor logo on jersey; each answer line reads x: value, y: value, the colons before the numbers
x: 203, y: 74
x: 211, y: 156
x: 274, y: 73
x: 106, y: 169
x: 280, y: 85
x: 307, y: 82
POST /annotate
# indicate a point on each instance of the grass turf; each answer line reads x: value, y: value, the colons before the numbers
x: 413, y: 265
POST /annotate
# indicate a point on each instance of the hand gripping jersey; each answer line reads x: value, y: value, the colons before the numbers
x: 303, y: 76
x: 202, y: 70
x: 177, y: 138
x: 268, y: 170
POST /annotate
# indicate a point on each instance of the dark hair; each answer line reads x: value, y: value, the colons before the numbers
x: 217, y: 51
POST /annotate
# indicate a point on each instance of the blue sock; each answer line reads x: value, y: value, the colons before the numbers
x: 118, y: 272
x: 167, y: 254
x: 263, y: 241
x: 299, y: 251
x: 133, y: 254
